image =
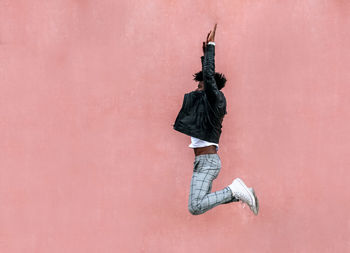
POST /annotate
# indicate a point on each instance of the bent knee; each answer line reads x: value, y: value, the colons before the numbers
x: 195, y: 210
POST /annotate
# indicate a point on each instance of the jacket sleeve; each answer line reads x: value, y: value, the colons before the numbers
x: 208, y: 68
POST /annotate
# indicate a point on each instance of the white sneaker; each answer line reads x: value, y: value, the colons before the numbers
x: 256, y: 202
x: 245, y: 194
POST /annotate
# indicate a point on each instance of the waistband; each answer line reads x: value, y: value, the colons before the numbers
x: 199, y: 157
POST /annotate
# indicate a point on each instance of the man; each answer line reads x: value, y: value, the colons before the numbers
x: 201, y: 118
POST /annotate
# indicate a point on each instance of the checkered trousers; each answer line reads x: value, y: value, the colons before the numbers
x: 206, y: 169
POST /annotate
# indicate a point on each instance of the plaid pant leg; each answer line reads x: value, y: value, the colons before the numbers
x: 206, y: 169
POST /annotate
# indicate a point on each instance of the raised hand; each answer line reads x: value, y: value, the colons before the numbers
x: 211, y: 35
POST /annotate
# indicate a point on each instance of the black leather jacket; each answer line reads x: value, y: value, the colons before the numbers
x: 203, y: 111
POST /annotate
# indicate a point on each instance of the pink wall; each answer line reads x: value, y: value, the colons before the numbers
x: 89, y: 92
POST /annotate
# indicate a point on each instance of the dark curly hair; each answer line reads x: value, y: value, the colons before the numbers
x: 220, y: 79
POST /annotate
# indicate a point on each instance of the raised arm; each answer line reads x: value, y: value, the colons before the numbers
x: 208, y: 68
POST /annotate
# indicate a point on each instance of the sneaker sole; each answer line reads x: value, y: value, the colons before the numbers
x: 254, y: 207
x: 256, y: 203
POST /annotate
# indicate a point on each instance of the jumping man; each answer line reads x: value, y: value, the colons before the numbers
x: 201, y: 118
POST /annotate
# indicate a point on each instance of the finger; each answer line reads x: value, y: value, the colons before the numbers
x: 214, y: 31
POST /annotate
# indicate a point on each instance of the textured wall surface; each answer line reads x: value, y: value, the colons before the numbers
x: 89, y: 161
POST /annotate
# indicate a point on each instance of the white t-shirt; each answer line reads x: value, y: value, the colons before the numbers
x: 198, y: 143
